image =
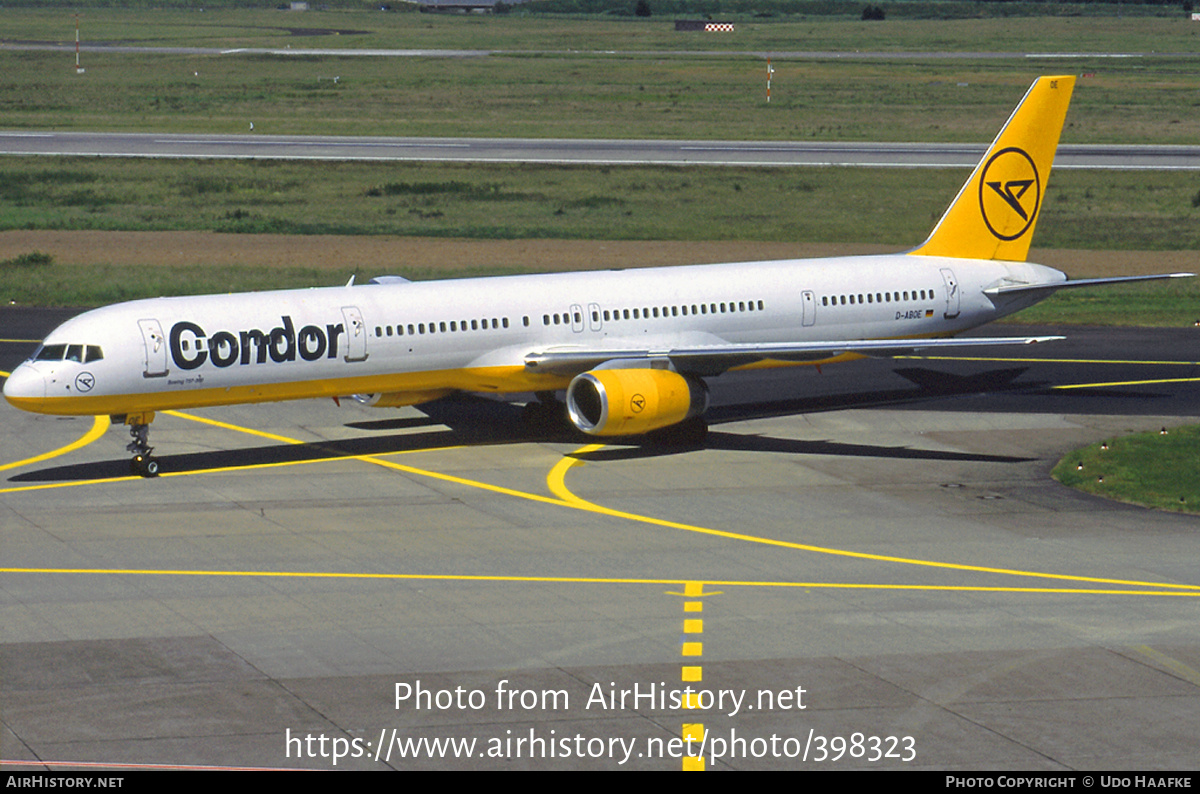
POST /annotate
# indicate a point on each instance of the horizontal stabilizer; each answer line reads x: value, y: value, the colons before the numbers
x: 1017, y: 289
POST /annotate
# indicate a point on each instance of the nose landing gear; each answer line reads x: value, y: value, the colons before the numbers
x: 143, y: 463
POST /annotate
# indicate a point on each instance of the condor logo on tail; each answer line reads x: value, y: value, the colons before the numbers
x: 994, y: 215
x: 1008, y: 204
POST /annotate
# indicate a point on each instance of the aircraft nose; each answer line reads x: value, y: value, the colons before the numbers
x: 25, y: 388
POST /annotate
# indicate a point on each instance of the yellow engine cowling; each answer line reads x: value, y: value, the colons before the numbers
x: 626, y: 402
x: 398, y: 399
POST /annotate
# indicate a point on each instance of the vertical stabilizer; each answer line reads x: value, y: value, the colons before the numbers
x: 994, y: 214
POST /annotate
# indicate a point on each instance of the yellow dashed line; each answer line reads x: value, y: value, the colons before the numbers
x: 692, y: 732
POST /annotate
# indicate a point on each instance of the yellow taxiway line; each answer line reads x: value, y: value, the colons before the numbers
x: 593, y: 580
x: 99, y: 425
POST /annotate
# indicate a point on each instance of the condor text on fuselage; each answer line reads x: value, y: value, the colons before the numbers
x: 191, y: 346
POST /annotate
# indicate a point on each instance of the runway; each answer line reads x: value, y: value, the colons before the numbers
x: 580, y: 152
x: 873, y: 558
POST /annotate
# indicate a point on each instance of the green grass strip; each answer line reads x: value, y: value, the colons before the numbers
x: 1156, y: 469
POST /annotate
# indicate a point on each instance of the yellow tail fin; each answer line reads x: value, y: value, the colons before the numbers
x: 993, y: 216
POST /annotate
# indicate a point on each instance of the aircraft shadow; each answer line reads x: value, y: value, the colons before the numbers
x: 789, y: 446
x: 252, y: 456
x: 472, y: 421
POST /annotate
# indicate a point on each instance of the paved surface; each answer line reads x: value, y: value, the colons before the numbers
x: 267, y: 587
x: 596, y: 152
x: 808, y: 55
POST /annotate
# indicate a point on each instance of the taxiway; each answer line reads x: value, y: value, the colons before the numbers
x: 883, y: 535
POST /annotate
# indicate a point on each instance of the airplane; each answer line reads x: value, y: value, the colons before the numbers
x: 631, y: 348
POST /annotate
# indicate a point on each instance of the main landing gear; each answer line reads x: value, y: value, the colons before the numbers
x: 143, y: 464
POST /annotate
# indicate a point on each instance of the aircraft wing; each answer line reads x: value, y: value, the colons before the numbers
x: 1015, y: 289
x: 709, y: 360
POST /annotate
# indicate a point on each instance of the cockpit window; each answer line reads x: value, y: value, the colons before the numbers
x: 80, y: 354
x: 50, y: 353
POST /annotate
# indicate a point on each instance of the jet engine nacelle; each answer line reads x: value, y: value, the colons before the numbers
x: 626, y: 402
x: 398, y: 399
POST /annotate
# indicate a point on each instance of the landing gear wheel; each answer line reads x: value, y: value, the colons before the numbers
x: 144, y: 466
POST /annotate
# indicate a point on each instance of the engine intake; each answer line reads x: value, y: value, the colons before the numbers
x: 626, y: 402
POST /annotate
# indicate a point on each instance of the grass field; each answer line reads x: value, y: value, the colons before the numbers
x: 578, y: 77
x: 554, y: 77
x: 896, y: 207
x: 1152, y: 469
x: 1128, y: 31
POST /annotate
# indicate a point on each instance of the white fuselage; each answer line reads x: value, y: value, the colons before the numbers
x: 423, y: 339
